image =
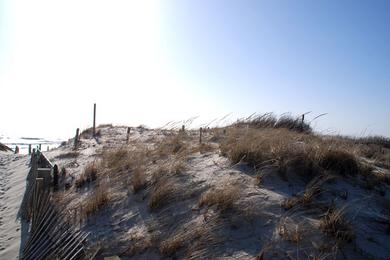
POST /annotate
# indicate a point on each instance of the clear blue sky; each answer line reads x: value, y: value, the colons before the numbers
x: 186, y: 58
x: 322, y: 56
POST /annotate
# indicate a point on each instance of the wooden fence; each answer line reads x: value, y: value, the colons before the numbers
x: 50, y: 235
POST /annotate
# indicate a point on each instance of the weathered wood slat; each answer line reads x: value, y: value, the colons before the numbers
x: 74, y: 247
x: 51, y: 235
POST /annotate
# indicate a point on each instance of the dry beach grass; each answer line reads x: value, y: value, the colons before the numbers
x: 248, y: 190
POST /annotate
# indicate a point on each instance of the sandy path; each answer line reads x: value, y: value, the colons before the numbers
x: 13, y: 171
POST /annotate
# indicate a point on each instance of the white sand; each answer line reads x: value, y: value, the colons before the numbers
x: 13, y: 171
x: 254, y: 224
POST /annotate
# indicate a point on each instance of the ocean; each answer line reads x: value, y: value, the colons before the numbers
x: 24, y: 142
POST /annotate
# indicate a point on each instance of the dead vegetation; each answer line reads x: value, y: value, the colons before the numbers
x: 139, y: 239
x: 292, y: 233
x: 335, y: 224
x: 223, y: 197
x: 313, y: 189
x: 67, y: 155
x: 205, y: 148
x: 163, y: 192
x: 306, y: 154
x: 124, y: 159
x: 192, y: 237
x: 138, y: 179
x: 171, y: 145
x: 88, y: 133
x: 88, y: 175
x: 5, y: 148
x: 269, y: 120
x: 96, y: 200
x: 157, y: 169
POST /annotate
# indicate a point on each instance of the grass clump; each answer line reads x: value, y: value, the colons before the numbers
x: 269, y: 120
x: 162, y: 193
x: 306, y: 154
x: 340, y: 162
x: 138, y: 179
x: 172, y: 244
x: 375, y: 140
x: 96, y: 200
x: 89, y: 175
x: 68, y: 155
x: 116, y: 159
x: 190, y: 237
x: 171, y: 145
x: 125, y: 159
x: 313, y: 189
x: 88, y: 133
x: 335, y: 224
x: 223, y: 197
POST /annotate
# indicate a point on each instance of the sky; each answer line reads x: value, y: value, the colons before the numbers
x: 151, y: 62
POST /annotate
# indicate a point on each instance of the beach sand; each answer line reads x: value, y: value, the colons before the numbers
x: 13, y: 172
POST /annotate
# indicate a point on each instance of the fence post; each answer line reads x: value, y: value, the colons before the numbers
x: 303, y: 119
x: 35, y: 202
x: 55, y: 177
x: 200, y: 135
x: 40, y: 147
x: 76, y: 138
x: 128, y: 135
x: 45, y: 173
x: 94, y: 119
x: 183, y: 128
x: 29, y: 149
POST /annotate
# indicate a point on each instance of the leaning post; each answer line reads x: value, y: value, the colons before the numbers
x: 94, y: 119
x: 128, y: 135
x: 76, y: 138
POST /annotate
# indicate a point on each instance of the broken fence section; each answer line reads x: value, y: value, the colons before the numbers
x: 50, y: 235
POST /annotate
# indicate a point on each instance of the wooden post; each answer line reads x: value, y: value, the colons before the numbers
x: 128, y: 135
x: 183, y: 128
x: 76, y: 138
x: 38, y: 189
x: 29, y: 149
x: 40, y: 147
x: 303, y: 120
x: 200, y: 135
x: 47, y: 149
x: 94, y: 120
x: 45, y: 174
x: 55, y: 177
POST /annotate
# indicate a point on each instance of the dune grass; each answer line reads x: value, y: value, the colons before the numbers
x: 96, y: 200
x: 285, y: 150
x: 88, y: 175
x: 335, y: 224
x: 223, y: 196
x: 269, y: 120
